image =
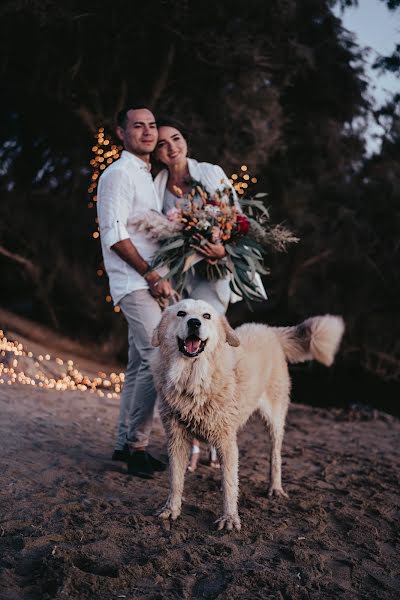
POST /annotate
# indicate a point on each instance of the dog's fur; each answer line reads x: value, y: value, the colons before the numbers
x: 212, y: 395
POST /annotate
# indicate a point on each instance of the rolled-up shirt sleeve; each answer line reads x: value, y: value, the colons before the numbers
x: 113, y: 207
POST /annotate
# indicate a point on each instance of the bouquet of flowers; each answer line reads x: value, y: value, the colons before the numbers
x: 242, y: 226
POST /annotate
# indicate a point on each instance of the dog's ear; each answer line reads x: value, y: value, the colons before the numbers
x: 155, y: 340
x: 231, y: 336
x: 159, y: 331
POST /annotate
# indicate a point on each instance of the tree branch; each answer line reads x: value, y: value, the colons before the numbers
x: 32, y: 269
x: 162, y: 79
x: 86, y: 117
x: 36, y: 275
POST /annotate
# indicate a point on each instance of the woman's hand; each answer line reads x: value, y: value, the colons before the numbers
x: 211, y: 251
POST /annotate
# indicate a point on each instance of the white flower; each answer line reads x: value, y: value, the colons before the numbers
x: 203, y: 224
x: 211, y: 210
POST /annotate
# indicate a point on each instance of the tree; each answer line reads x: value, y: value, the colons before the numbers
x: 280, y: 86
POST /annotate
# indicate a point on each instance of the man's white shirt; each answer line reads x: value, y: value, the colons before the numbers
x: 125, y: 190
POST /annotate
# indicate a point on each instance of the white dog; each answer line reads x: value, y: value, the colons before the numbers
x: 210, y: 379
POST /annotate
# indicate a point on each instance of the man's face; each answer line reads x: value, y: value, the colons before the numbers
x: 139, y: 135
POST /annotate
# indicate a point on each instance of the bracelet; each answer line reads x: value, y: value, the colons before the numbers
x: 147, y: 272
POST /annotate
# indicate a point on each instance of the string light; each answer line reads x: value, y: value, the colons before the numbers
x: 105, y: 152
x: 19, y: 366
x: 242, y: 181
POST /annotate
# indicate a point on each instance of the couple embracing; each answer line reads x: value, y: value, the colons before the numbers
x: 126, y: 190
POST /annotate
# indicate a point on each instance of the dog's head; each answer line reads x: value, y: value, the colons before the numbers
x: 192, y: 326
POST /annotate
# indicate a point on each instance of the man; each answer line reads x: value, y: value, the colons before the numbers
x: 125, y: 190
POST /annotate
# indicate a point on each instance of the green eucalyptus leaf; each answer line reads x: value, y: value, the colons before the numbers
x: 178, y: 243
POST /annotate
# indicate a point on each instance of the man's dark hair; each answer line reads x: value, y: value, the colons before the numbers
x: 122, y: 116
x: 171, y: 122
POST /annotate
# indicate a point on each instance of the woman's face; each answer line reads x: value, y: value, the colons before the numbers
x: 171, y: 147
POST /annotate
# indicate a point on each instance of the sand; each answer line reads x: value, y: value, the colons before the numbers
x: 74, y: 525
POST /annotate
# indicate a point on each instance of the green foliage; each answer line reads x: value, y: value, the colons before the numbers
x: 389, y: 63
x: 277, y: 85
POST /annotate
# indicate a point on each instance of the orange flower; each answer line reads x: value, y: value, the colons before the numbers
x: 177, y: 191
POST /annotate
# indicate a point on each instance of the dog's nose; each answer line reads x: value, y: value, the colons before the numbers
x: 194, y: 324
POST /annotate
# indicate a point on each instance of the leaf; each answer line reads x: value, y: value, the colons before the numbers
x: 229, y: 248
x: 178, y: 243
x: 190, y: 260
x: 252, y: 203
x: 234, y: 287
x: 249, y: 255
x: 176, y: 268
x: 255, y: 251
x: 252, y: 266
x: 248, y: 289
x: 219, y: 271
x: 238, y: 252
x: 240, y: 264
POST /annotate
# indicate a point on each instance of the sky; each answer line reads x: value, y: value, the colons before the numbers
x: 377, y: 28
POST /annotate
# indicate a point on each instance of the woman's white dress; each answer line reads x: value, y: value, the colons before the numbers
x: 217, y: 293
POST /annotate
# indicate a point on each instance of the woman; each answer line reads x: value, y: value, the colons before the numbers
x: 177, y: 177
x: 180, y: 172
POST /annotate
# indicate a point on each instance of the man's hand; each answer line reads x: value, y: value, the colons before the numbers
x: 158, y: 288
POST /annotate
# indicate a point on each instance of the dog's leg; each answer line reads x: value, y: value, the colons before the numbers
x: 275, y: 420
x: 178, y: 450
x: 228, y: 455
x: 275, y: 486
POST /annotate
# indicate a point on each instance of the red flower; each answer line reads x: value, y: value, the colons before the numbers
x: 242, y: 223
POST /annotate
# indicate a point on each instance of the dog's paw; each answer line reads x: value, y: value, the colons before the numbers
x: 228, y: 522
x: 167, y: 512
x: 277, y: 492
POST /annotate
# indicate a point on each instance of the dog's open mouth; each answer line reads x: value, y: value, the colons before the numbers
x: 191, y: 346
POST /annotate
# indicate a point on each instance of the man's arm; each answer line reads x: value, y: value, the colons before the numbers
x: 115, y: 190
x: 127, y: 251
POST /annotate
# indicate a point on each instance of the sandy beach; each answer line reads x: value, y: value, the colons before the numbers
x: 75, y: 525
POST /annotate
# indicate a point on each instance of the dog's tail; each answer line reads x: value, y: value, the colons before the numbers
x: 316, y: 338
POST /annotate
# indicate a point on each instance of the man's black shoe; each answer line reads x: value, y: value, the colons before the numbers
x: 122, y: 455
x: 156, y: 464
x: 139, y: 465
